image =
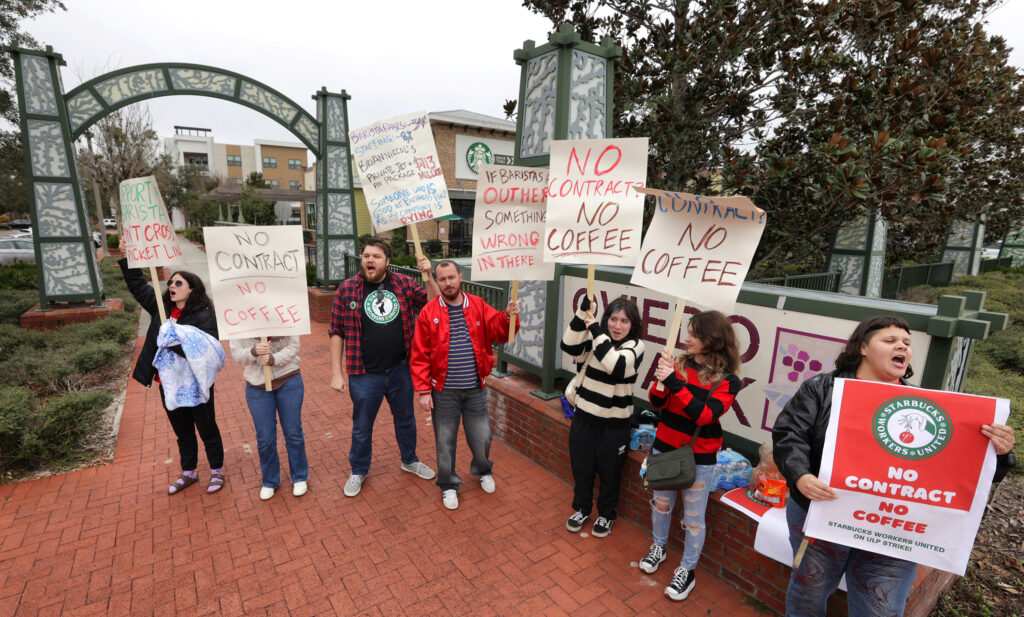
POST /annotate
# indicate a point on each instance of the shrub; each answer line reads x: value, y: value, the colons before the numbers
x: 113, y: 241
x: 194, y: 234
x: 19, y: 276
x: 432, y: 248
x: 95, y: 355
x: 58, y: 432
x: 14, y: 302
x: 15, y: 409
x: 310, y: 275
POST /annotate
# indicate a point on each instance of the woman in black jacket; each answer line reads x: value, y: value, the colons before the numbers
x: 186, y: 302
x: 878, y: 585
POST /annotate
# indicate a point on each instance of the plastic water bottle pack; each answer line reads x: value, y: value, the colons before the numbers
x: 733, y: 470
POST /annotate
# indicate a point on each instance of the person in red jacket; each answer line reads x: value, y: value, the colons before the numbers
x: 452, y: 353
x: 691, y: 395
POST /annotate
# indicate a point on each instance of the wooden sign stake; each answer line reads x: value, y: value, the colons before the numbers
x: 268, y: 374
x: 590, y: 281
x: 157, y: 292
x: 673, y: 329
x: 513, y: 298
x: 418, y: 248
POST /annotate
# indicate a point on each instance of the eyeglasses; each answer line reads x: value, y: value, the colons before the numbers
x: 176, y: 283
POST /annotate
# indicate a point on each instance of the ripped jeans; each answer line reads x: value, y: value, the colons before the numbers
x: 695, y: 504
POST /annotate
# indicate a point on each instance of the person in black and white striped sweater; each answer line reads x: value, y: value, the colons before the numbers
x: 609, y: 353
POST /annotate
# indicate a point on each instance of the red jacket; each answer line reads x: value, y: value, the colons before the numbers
x: 428, y: 361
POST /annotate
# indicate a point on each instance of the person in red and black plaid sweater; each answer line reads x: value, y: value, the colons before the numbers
x: 372, y: 322
x: 691, y: 395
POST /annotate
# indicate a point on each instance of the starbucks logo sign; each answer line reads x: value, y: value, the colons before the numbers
x: 381, y: 306
x: 912, y: 428
x: 478, y: 153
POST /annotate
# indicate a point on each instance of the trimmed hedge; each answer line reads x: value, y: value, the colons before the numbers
x: 55, y: 433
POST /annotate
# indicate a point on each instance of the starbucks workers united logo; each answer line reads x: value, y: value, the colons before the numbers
x: 912, y: 428
x: 381, y: 306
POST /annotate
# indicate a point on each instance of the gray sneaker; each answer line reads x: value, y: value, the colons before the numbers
x: 353, y: 485
x: 419, y: 469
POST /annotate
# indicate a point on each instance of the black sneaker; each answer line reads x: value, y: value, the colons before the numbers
x: 575, y: 522
x: 683, y: 582
x: 602, y: 527
x: 654, y: 557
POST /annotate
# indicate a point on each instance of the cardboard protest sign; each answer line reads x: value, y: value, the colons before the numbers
x: 699, y: 248
x: 911, y: 471
x: 595, y: 210
x: 401, y: 173
x: 148, y: 237
x: 258, y: 280
x: 508, y: 224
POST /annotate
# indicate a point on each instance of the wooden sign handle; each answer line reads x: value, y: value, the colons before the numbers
x: 513, y: 297
x: 418, y: 248
x: 590, y: 280
x: 800, y: 553
x: 673, y: 330
x: 268, y: 373
x: 159, y: 295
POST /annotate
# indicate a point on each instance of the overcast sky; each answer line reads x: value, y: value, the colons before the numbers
x: 393, y: 57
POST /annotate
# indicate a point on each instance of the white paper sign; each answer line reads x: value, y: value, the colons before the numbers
x: 148, y: 237
x: 401, y: 173
x: 508, y: 224
x: 595, y: 210
x: 258, y: 280
x: 699, y: 248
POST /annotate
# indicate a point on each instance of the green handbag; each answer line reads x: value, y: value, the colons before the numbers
x: 672, y: 470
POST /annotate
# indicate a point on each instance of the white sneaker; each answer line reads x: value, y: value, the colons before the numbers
x: 487, y: 483
x: 353, y: 485
x: 266, y: 493
x: 450, y: 498
x: 419, y: 469
x: 299, y: 488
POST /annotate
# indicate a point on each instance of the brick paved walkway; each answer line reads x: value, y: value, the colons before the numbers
x: 109, y: 540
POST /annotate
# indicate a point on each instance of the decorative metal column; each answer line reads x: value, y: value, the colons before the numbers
x: 859, y: 251
x: 1013, y: 247
x: 336, y: 215
x: 64, y: 251
x: 964, y: 246
x: 565, y: 92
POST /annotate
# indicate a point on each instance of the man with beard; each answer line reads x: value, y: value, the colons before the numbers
x: 452, y: 354
x: 371, y: 328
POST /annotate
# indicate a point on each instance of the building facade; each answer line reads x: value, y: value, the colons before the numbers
x: 283, y: 164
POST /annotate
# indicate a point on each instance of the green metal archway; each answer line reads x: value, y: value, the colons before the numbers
x: 51, y: 121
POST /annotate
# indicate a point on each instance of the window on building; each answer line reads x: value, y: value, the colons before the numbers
x: 294, y: 164
x: 197, y: 160
x: 311, y: 215
x: 234, y: 160
x: 294, y: 185
x: 269, y: 161
x: 274, y: 184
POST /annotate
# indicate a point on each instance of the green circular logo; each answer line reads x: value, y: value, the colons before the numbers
x: 381, y: 306
x: 478, y: 153
x: 911, y: 427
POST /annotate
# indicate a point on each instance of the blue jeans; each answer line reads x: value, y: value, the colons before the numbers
x: 367, y: 392
x: 265, y: 408
x: 877, y: 586
x: 695, y: 504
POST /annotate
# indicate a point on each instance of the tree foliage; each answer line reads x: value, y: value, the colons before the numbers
x: 12, y: 13
x: 821, y: 111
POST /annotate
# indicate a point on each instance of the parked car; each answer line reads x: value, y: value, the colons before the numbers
x: 24, y: 233
x: 110, y: 223
x: 20, y: 224
x: 14, y: 250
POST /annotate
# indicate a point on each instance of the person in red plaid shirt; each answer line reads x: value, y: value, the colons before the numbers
x: 372, y: 322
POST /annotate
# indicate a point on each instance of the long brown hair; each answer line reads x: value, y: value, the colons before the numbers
x: 721, y: 353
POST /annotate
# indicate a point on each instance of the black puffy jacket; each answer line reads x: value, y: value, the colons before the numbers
x: 799, y: 433
x: 201, y: 317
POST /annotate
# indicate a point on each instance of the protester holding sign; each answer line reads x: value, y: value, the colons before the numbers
x: 878, y: 585
x: 452, y: 355
x: 691, y: 395
x: 284, y: 399
x: 371, y: 328
x: 186, y: 302
x: 607, y: 354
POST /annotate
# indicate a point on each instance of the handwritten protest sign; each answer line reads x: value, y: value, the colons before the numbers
x: 148, y: 237
x: 595, y: 210
x: 258, y: 280
x: 910, y: 469
x: 699, y: 248
x: 508, y: 224
x: 401, y: 173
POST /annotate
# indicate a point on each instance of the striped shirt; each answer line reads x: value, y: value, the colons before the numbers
x: 462, y: 373
x: 606, y: 390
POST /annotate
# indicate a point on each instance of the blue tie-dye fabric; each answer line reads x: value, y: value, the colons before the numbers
x: 186, y: 381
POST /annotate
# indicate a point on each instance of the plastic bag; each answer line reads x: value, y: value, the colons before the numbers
x: 642, y: 437
x: 767, y: 485
x: 732, y: 470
